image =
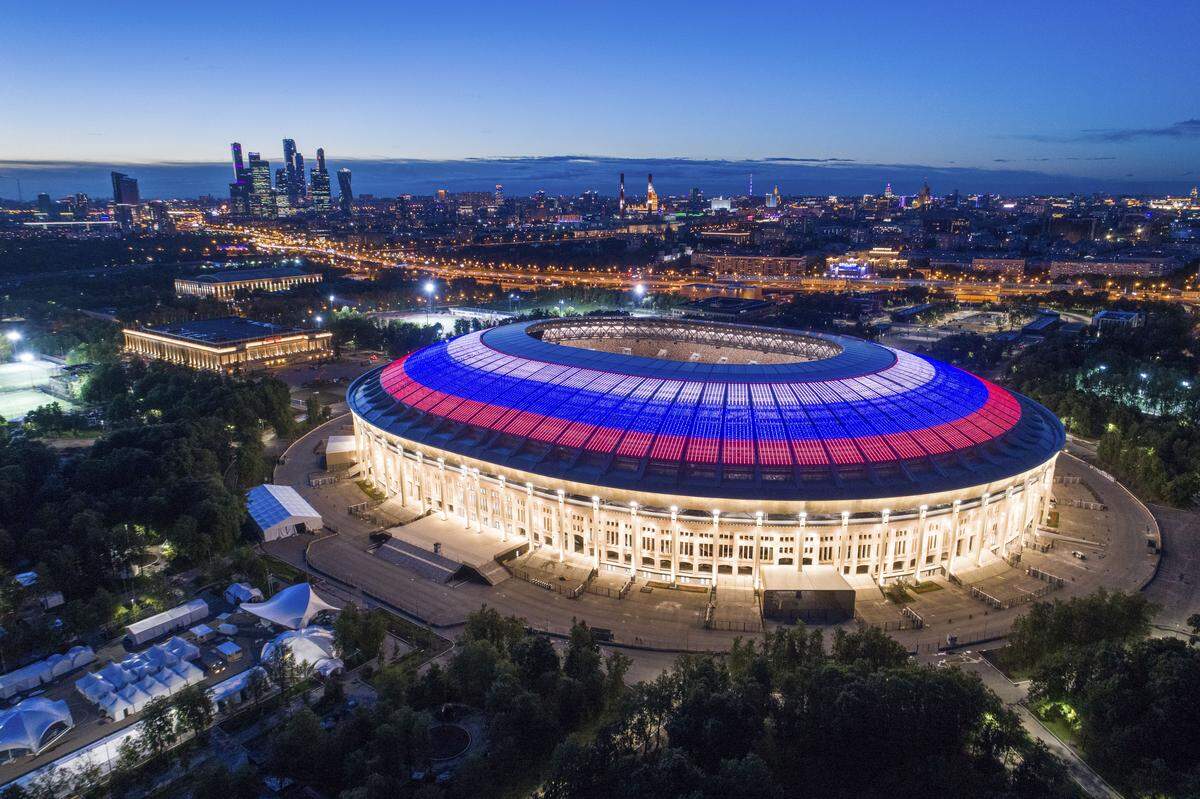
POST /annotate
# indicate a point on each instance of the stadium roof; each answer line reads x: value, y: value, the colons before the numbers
x: 859, y: 421
x: 225, y: 330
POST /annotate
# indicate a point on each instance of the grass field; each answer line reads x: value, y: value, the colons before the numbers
x: 15, y: 404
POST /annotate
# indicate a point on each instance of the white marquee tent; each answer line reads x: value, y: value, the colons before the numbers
x: 293, y: 607
x: 176, y: 618
x: 279, y: 511
x: 31, y: 726
x: 29, y: 677
x: 237, y: 593
x: 311, y: 646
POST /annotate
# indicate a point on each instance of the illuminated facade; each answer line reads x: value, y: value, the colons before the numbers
x: 228, y: 344
x: 685, y: 452
x: 227, y: 284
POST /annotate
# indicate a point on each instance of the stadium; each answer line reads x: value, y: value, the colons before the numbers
x: 685, y: 452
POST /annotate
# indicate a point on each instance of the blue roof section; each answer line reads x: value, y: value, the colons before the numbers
x: 857, y: 357
x: 268, y: 505
x: 808, y: 430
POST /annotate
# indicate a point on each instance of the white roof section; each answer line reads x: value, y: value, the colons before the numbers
x: 311, y: 646
x: 29, y: 677
x: 237, y: 593
x: 234, y: 686
x: 26, y: 727
x: 293, y: 607
x: 162, y: 623
x: 341, y: 444
x: 270, y: 504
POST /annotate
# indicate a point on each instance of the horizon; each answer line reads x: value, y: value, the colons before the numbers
x: 1078, y: 96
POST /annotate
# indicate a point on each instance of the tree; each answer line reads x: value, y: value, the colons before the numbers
x: 193, y: 710
x: 300, y: 748
x: 159, y: 732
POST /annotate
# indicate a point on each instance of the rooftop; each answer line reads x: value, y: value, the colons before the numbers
x: 240, y: 275
x: 224, y: 330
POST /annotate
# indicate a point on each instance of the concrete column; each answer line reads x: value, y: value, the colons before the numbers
x: 419, y: 476
x: 403, y: 476
x: 1010, y: 517
x: 839, y: 556
x: 560, y: 522
x: 922, y: 529
x: 801, y: 540
x: 955, y: 532
x: 983, y: 527
x: 885, y: 546
x: 530, y: 506
x: 463, y: 493
x: 637, y: 539
x: 674, y: 544
x: 503, y: 517
x: 757, y: 567
x: 716, y: 546
x: 598, y: 541
x: 478, y: 501
x: 441, y: 462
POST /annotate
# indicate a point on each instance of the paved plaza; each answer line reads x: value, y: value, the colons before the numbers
x: 1112, y: 529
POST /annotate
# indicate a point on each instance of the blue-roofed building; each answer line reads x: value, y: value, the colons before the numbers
x: 227, y: 344
x: 696, y: 452
x: 280, y: 511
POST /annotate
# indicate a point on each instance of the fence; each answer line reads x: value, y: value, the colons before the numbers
x: 570, y: 592
x: 316, y: 479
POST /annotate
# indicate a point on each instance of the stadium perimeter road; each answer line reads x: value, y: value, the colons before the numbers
x: 654, y: 622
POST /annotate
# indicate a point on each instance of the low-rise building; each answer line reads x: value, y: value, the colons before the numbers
x: 228, y: 344
x: 228, y: 283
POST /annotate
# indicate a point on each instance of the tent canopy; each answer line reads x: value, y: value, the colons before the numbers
x: 293, y: 607
x: 238, y: 593
x: 311, y: 646
x: 27, y: 726
x: 176, y: 618
x: 278, y: 509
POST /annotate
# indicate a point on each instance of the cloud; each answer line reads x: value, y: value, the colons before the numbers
x: 1187, y: 129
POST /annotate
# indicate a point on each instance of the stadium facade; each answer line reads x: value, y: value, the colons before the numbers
x: 674, y: 450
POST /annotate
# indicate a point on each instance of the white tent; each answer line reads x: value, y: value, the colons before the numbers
x: 31, y: 726
x: 233, y: 691
x: 116, y: 707
x: 25, y: 678
x: 280, y: 511
x: 116, y: 676
x: 80, y: 656
x: 134, y: 697
x: 93, y: 687
x: 176, y: 618
x: 237, y: 593
x: 311, y: 646
x: 181, y: 649
x: 340, y: 451
x: 171, y: 680
x: 190, y: 672
x: 293, y: 607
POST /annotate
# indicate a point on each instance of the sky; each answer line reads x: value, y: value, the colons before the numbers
x: 1099, y: 91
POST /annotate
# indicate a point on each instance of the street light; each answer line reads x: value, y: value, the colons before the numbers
x: 13, y: 335
x: 25, y: 357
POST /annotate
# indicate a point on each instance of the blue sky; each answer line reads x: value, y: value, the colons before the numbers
x: 1100, y: 90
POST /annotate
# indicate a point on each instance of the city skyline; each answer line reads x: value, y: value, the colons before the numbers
x: 868, y: 85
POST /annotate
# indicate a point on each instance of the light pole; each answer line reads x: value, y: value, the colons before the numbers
x: 430, y: 288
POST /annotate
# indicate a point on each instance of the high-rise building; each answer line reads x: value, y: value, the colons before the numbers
x: 45, y: 205
x: 239, y: 189
x: 621, y: 196
x: 125, y: 189
x: 651, y: 196
x: 346, y: 198
x: 81, y: 206
x: 320, y: 185
x: 300, y: 185
x: 262, y: 198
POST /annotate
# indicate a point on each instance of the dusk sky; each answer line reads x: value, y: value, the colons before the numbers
x: 1086, y: 89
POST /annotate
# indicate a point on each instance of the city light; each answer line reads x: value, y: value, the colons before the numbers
x: 13, y: 335
x: 25, y: 357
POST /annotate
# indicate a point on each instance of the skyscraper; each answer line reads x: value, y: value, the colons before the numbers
x: 125, y: 189
x: 346, y: 199
x: 262, y: 199
x: 320, y: 184
x: 301, y: 186
x: 239, y: 189
x: 651, y: 196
